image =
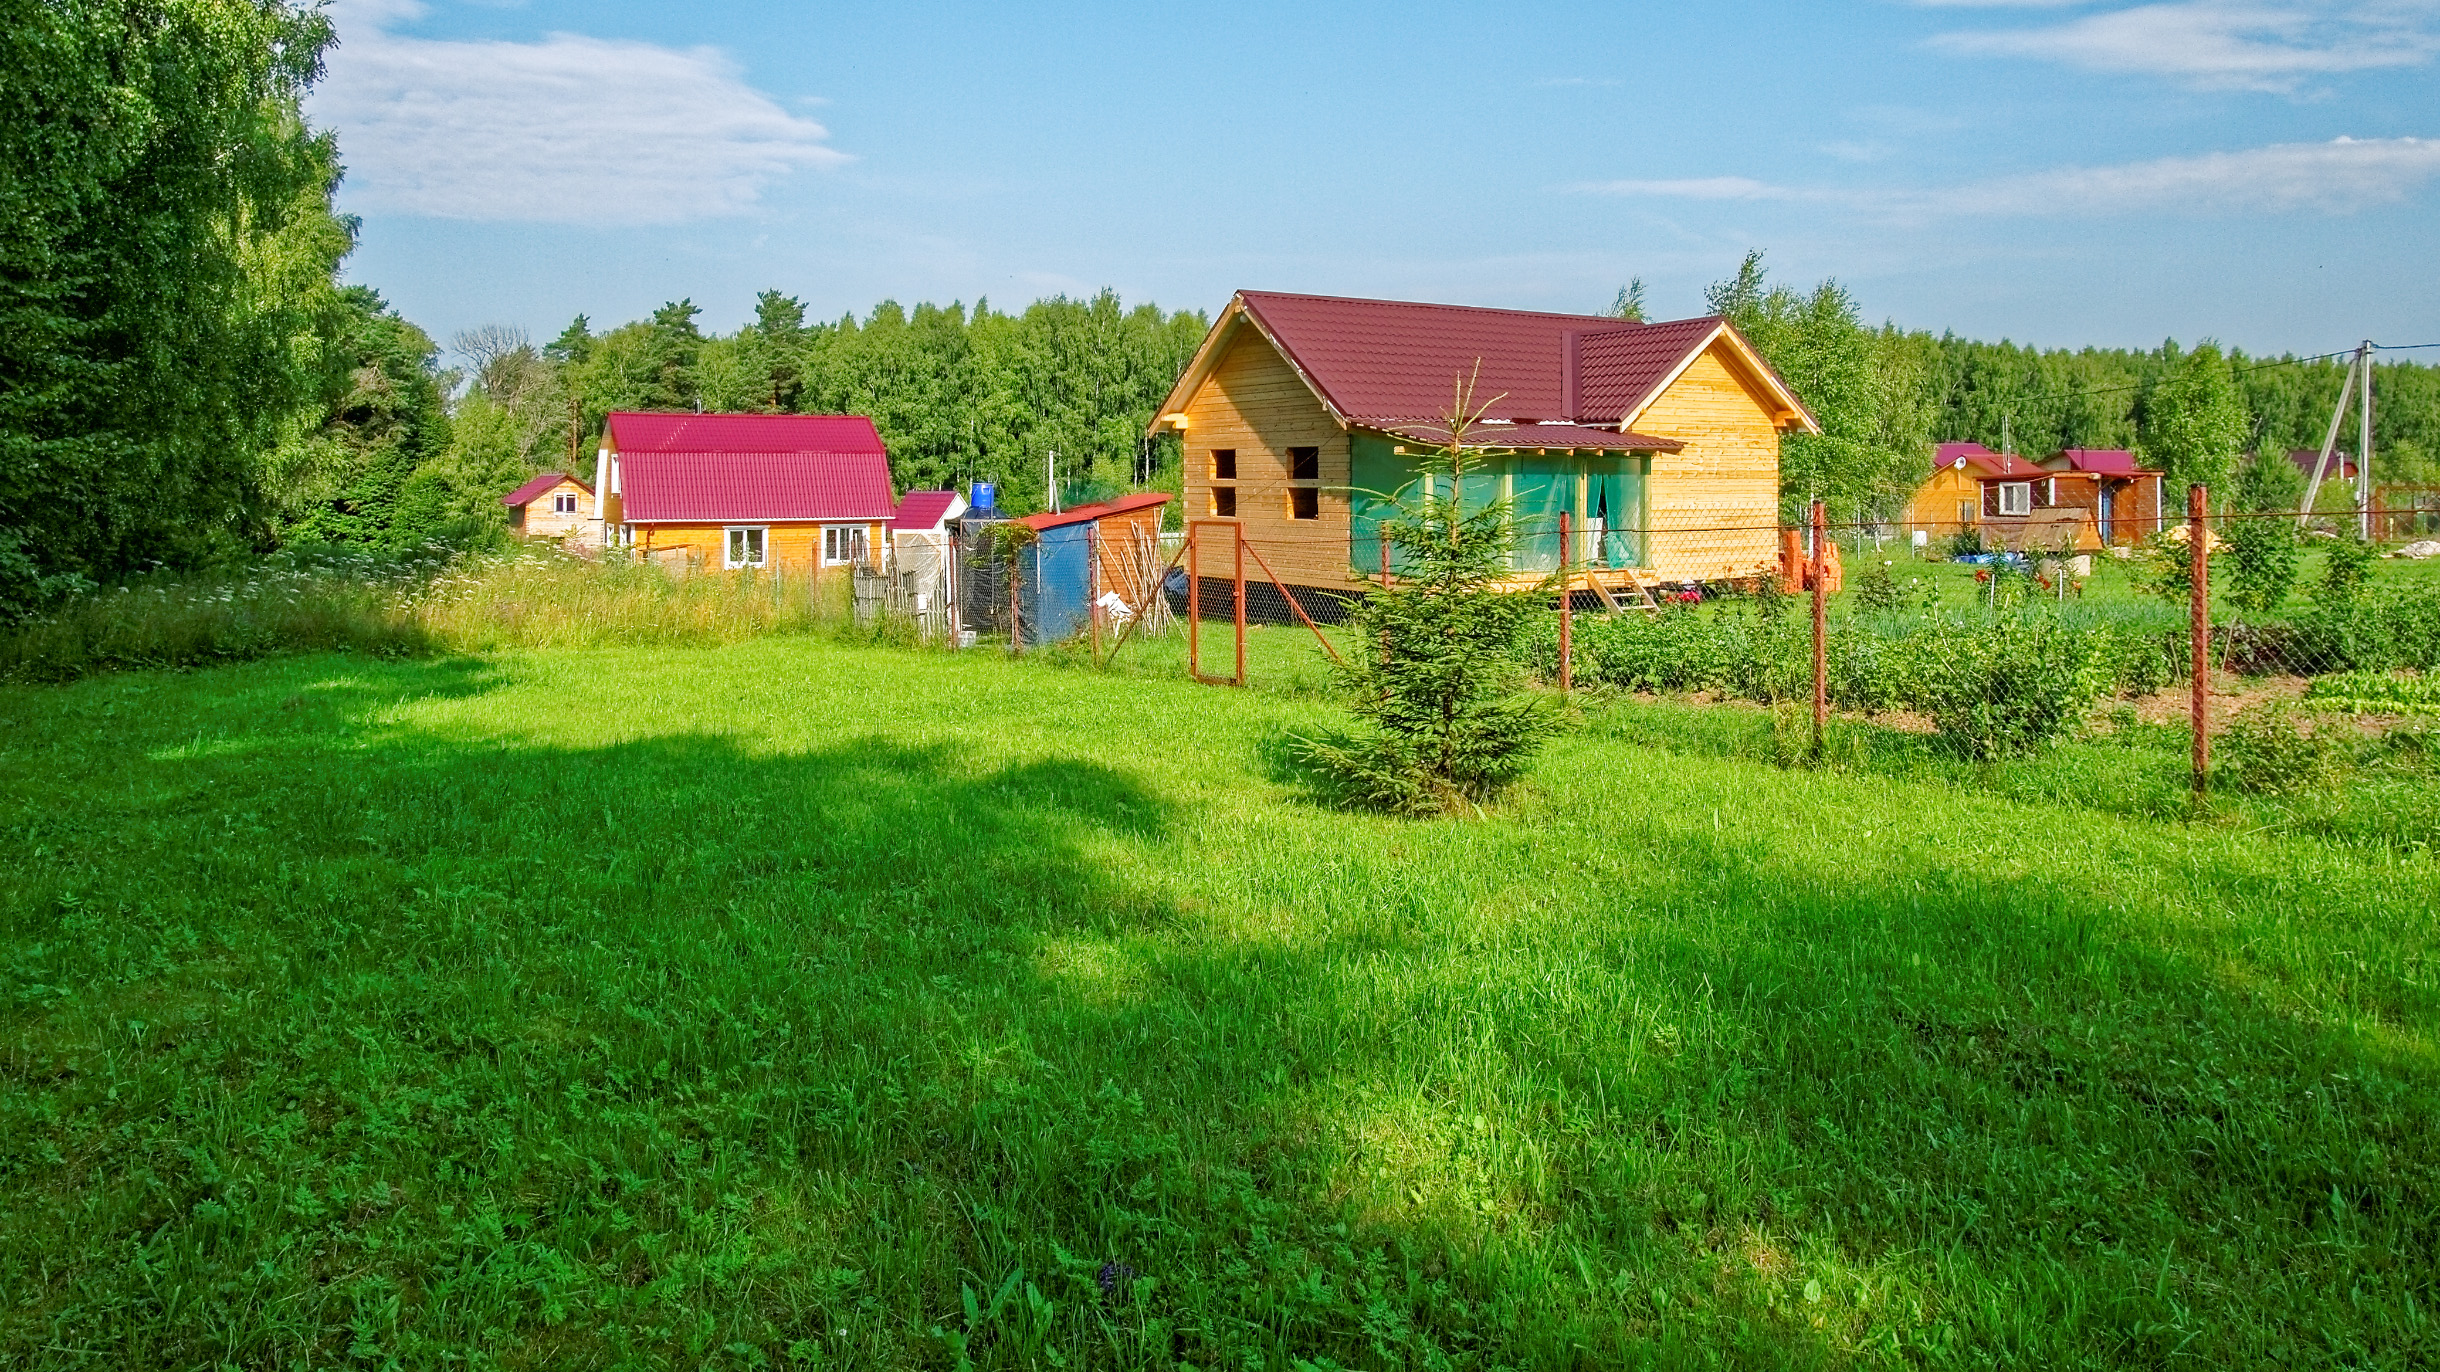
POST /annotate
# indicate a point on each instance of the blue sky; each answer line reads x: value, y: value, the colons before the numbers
x: 2055, y: 172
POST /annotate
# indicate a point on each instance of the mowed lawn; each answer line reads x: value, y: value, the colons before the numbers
x: 791, y: 1004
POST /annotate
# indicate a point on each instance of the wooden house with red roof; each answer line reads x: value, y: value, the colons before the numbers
x: 552, y: 505
x: 1304, y: 418
x: 741, y: 491
x: 2086, y: 498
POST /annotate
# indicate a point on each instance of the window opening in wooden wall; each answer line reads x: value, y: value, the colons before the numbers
x: 1224, y: 464
x: 1224, y: 501
x: 2016, y: 498
x: 1304, y: 464
x: 745, y: 548
x: 1304, y: 502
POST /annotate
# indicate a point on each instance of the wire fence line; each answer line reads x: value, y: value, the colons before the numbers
x: 2000, y: 636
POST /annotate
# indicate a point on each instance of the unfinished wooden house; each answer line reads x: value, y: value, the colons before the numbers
x: 1305, y: 418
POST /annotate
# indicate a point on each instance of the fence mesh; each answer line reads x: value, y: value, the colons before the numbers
x: 2000, y: 636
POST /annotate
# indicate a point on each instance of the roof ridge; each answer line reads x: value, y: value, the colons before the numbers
x: 1611, y: 322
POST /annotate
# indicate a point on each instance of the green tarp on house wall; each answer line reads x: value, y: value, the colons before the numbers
x: 1541, y: 487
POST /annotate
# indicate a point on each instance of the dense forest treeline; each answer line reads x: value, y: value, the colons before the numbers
x: 185, y: 379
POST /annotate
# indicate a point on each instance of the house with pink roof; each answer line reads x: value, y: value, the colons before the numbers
x: 1306, y: 419
x: 781, y: 492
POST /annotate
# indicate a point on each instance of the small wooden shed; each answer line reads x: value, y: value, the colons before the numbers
x: 552, y: 505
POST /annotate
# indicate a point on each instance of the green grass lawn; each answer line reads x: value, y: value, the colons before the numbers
x: 794, y: 1004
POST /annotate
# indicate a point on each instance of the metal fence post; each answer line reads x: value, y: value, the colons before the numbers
x: 1194, y: 601
x: 1240, y: 532
x: 1821, y: 652
x: 2198, y: 540
x: 1567, y: 597
x: 1092, y: 584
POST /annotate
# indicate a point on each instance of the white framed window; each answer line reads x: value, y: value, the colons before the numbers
x: 563, y: 503
x: 745, y: 547
x: 843, y: 543
x: 2016, y: 497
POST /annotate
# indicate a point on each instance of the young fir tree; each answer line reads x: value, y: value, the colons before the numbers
x: 1435, y: 674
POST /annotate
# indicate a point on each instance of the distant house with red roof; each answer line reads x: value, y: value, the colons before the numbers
x: 2088, y: 498
x: 746, y: 490
x: 1305, y: 418
x: 552, y: 505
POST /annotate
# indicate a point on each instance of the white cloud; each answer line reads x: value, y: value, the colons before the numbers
x: 2264, y: 45
x: 2342, y: 175
x: 569, y: 129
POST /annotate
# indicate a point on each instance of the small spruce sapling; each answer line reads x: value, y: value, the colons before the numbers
x: 1445, y: 718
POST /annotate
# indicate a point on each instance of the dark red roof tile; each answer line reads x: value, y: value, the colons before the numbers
x: 1384, y: 363
x: 1543, y: 436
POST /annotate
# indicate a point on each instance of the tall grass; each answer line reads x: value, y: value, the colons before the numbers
x: 390, y: 605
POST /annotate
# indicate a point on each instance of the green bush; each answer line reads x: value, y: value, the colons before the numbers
x: 2023, y: 685
x: 2270, y: 751
x: 2261, y: 561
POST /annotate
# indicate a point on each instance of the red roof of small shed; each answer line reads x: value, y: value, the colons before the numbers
x: 2341, y: 467
x: 1125, y: 504
x: 923, y: 509
x: 652, y: 431
x: 537, y: 486
x: 740, y: 487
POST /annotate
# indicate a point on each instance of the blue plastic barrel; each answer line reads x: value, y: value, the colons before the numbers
x: 981, y: 497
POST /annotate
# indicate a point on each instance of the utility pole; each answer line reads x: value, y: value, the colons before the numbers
x: 2363, y: 444
x: 1050, y: 479
x: 2329, y: 439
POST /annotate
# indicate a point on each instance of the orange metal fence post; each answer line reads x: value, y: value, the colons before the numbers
x: 1092, y: 585
x: 1194, y: 603
x: 1240, y: 532
x: 1821, y: 617
x: 1567, y: 598
x: 2198, y: 540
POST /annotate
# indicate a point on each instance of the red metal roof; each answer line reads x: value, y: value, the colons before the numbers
x: 922, y: 510
x: 1543, y: 436
x: 2102, y: 461
x: 2341, y: 467
x: 1098, y: 510
x: 739, y: 487
x: 1985, y: 465
x: 1383, y: 363
x: 537, y: 486
x: 643, y: 431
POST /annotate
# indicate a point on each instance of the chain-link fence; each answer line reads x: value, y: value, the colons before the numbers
x: 1998, y: 635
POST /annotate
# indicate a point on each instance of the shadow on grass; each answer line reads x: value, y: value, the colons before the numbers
x: 387, y: 1044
